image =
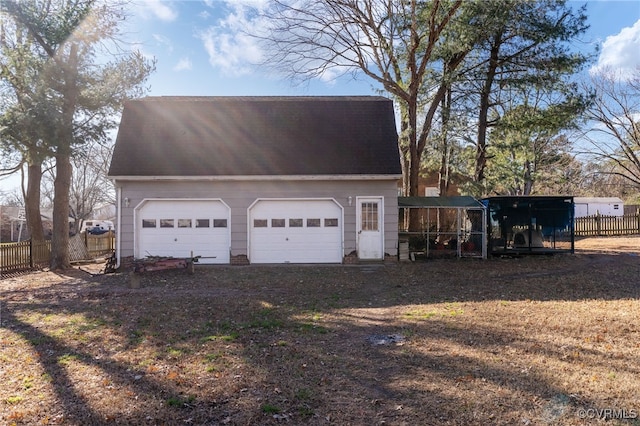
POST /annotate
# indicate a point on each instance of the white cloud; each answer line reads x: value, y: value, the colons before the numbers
x: 621, y: 52
x: 234, y: 54
x: 159, y: 9
x: 163, y: 41
x: 183, y: 64
x: 233, y: 43
x: 228, y: 44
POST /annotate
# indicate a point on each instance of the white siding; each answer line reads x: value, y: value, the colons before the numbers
x: 604, y: 206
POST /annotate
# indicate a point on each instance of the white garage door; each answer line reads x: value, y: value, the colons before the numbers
x: 177, y: 228
x: 295, y: 231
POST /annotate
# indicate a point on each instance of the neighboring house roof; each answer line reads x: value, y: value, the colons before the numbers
x: 14, y: 213
x: 256, y: 136
x: 596, y: 200
x: 10, y: 212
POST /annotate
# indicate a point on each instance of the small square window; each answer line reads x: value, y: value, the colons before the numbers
x: 184, y: 223
x: 166, y: 223
x: 219, y: 223
x: 202, y: 223
x: 148, y: 223
x: 278, y: 223
x: 330, y: 223
x: 313, y: 223
x: 295, y: 223
x: 259, y: 223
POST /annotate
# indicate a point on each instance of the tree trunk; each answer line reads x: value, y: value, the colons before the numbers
x: 404, y: 143
x: 443, y: 174
x: 60, y: 258
x: 414, y: 165
x: 443, y: 185
x: 528, y: 179
x: 32, y: 201
x: 483, y: 114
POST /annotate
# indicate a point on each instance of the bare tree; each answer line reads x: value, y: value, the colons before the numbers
x: 12, y: 198
x: 600, y: 180
x: 394, y: 43
x: 90, y: 188
x: 615, y: 137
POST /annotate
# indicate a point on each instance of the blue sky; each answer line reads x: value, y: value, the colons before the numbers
x: 200, y: 51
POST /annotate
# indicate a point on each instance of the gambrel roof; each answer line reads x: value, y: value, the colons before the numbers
x: 256, y: 136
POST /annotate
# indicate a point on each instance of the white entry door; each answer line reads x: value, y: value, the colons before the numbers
x: 369, y: 211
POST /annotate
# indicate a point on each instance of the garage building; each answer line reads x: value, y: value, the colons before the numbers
x: 257, y: 179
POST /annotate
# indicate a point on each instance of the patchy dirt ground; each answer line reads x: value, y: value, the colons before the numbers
x: 532, y: 340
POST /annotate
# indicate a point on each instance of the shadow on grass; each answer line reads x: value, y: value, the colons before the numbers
x: 79, y: 398
x: 272, y: 344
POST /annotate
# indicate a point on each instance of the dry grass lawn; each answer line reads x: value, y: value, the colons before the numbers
x: 524, y: 341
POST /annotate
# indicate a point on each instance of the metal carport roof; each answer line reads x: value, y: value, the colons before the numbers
x: 463, y: 201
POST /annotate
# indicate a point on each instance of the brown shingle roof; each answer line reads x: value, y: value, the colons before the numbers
x: 238, y: 136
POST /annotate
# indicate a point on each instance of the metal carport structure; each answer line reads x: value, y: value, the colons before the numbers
x: 448, y: 226
x: 536, y: 224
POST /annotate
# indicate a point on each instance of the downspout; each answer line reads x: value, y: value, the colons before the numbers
x: 119, y: 224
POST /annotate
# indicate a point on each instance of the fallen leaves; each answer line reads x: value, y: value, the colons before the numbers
x: 480, y: 343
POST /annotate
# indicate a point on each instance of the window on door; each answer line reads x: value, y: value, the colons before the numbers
x: 369, y: 216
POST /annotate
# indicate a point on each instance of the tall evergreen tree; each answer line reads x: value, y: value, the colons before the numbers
x: 24, y: 105
x: 83, y: 90
x: 526, y: 61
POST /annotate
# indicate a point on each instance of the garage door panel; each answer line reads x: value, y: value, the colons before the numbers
x: 184, y: 244
x: 296, y: 231
x: 174, y: 208
x: 190, y: 226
